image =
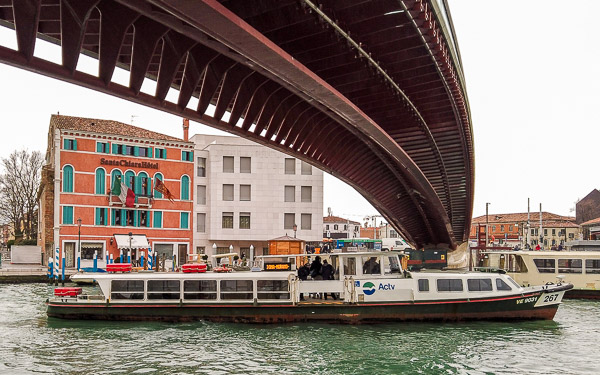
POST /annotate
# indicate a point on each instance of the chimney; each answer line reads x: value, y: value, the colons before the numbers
x: 186, y: 128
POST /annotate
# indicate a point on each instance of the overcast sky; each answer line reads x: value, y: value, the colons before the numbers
x: 532, y: 74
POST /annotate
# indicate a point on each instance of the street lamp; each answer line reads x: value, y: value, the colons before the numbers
x: 295, y: 229
x: 487, y: 223
x: 129, y: 251
x: 79, y: 244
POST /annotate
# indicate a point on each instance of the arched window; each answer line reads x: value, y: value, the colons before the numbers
x: 100, y: 181
x: 185, y: 188
x: 113, y: 177
x: 130, y: 180
x: 67, y: 179
x: 143, y: 185
x: 157, y: 194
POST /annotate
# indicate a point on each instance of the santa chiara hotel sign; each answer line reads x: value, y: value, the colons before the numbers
x: 127, y: 163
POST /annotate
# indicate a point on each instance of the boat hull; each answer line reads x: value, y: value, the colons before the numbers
x: 518, y: 307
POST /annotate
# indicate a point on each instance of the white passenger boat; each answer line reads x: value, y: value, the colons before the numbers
x: 369, y: 286
x: 580, y: 268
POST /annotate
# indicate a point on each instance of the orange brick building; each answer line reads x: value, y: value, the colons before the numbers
x: 80, y: 215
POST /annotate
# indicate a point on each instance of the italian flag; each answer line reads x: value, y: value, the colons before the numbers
x: 125, y: 194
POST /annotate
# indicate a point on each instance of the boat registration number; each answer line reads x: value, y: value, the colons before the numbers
x: 549, y: 299
x: 526, y: 300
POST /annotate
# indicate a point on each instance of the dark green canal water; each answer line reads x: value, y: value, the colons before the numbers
x: 31, y: 343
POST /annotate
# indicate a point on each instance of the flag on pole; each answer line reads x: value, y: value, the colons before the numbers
x: 161, y: 188
x: 125, y: 194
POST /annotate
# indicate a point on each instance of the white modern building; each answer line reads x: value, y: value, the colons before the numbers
x: 247, y: 194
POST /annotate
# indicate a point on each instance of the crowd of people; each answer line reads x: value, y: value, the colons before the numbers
x: 317, y: 270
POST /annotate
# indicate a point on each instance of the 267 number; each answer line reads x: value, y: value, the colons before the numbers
x: 551, y: 298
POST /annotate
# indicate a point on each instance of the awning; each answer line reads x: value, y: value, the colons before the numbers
x: 138, y: 241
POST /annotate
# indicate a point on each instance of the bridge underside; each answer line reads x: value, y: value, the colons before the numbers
x: 369, y: 91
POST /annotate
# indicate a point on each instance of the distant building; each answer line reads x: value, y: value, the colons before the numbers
x: 336, y: 227
x: 248, y: 194
x: 81, y: 217
x: 591, y: 229
x: 512, y: 229
x: 588, y: 208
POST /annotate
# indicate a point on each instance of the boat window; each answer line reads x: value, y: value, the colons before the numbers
x: 371, y: 265
x: 200, y: 289
x: 423, y: 285
x: 272, y: 289
x: 479, y: 285
x: 569, y: 265
x: 592, y: 266
x: 513, y: 282
x: 163, y: 289
x: 349, y: 266
x: 127, y: 289
x: 545, y: 265
x: 449, y: 285
x: 236, y: 289
x: 391, y: 265
x: 501, y: 285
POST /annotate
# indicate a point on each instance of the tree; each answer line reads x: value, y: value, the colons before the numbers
x: 19, y: 187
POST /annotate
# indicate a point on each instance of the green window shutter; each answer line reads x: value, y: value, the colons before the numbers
x: 98, y: 215
x: 185, y: 188
x: 75, y: 144
x: 164, y: 153
x: 100, y: 181
x: 115, y: 148
x: 137, y: 186
x: 123, y: 217
x: 123, y: 149
x: 136, y: 218
x: 67, y: 179
x: 148, y: 219
x: 136, y: 151
x: 65, y: 143
x: 67, y: 214
x: 105, y: 216
x: 157, y: 194
x: 112, y: 217
x: 99, y: 147
x: 183, y: 220
x: 150, y: 152
x: 157, y: 219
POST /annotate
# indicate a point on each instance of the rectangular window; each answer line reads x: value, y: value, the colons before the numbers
x: 236, y: 289
x: 423, y: 285
x: 200, y: 289
x: 187, y: 156
x: 103, y: 147
x: 244, y: 220
x: 143, y: 151
x: 245, y: 192
x: 129, y: 150
x: 306, y: 221
x: 305, y: 168
x: 201, y: 223
x: 144, y: 218
x: 545, y: 232
x: 70, y: 144
x: 184, y: 218
x: 101, y: 216
x: 306, y: 194
x: 201, y: 167
x: 479, y: 285
x: 201, y: 194
x: 272, y: 289
x: 569, y: 265
x: 327, y: 227
x: 502, y: 228
x: 157, y: 219
x: 290, y: 166
x: 127, y: 289
x: 160, y: 153
x: 449, y: 285
x: 545, y: 265
x: 289, y: 220
x: 227, y: 220
x: 290, y: 193
x: 554, y: 232
x: 163, y: 289
x: 227, y: 192
x: 67, y: 215
x: 592, y: 266
x: 227, y: 164
x: 117, y: 149
x: 89, y: 248
x: 245, y: 164
x: 130, y: 217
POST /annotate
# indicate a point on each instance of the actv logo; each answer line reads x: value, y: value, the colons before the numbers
x: 368, y: 288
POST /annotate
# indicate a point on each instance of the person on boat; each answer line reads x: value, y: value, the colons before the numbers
x: 328, y: 272
x: 303, y: 273
x: 537, y: 247
x: 316, y: 269
x: 371, y: 266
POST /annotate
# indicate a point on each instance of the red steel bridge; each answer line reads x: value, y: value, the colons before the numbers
x: 370, y: 91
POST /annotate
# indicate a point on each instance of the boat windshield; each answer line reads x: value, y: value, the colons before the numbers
x: 513, y: 282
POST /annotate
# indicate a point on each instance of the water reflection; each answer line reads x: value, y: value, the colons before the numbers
x: 31, y: 342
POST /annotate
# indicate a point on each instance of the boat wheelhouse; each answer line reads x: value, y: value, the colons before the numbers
x: 367, y: 286
x: 580, y: 268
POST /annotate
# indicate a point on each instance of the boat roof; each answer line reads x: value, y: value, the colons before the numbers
x: 547, y: 253
x: 238, y: 275
x: 347, y: 254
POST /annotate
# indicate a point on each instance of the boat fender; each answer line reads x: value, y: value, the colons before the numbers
x: 255, y: 302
